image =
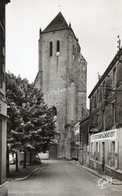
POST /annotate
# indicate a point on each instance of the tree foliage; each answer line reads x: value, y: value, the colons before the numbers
x: 31, y: 124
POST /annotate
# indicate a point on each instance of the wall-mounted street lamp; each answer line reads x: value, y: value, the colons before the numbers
x: 57, y: 55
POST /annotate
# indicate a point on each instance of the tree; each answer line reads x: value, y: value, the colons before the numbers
x: 31, y: 124
x: 15, y: 120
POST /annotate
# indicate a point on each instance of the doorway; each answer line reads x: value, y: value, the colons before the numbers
x: 103, y: 156
x: 53, y: 152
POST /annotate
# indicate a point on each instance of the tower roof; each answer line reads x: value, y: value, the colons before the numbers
x: 57, y: 23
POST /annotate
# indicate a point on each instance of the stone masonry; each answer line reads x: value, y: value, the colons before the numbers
x: 62, y: 77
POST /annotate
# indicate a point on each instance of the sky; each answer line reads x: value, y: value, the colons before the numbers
x: 96, y: 24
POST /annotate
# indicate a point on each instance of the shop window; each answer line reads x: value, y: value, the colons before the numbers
x: 97, y: 151
x: 112, y: 153
x: 51, y: 48
x: 96, y: 146
x: 58, y: 46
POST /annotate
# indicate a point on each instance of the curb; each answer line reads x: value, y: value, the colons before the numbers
x: 97, y: 174
x: 101, y: 176
x: 25, y: 177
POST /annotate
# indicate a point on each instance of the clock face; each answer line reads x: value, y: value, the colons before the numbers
x: 57, y: 54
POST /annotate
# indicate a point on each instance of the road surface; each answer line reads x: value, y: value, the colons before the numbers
x: 62, y: 178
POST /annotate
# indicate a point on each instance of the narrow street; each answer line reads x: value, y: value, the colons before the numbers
x: 62, y: 178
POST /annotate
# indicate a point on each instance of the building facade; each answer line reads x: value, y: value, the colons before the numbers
x: 3, y: 105
x: 84, y: 147
x: 80, y: 138
x: 106, y: 120
x: 75, y: 145
x: 62, y: 78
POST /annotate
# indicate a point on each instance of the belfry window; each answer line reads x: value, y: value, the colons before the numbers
x: 58, y: 46
x: 51, y: 48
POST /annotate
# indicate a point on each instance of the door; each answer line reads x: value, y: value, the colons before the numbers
x: 112, y: 153
x: 53, y: 152
x: 103, y: 156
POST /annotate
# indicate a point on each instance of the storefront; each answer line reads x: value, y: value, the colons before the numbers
x: 106, y: 151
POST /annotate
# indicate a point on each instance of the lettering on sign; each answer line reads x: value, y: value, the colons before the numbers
x: 104, y: 135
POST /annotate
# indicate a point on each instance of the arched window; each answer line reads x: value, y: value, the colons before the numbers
x: 54, y: 110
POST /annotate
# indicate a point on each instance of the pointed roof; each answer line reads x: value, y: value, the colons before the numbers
x: 57, y: 23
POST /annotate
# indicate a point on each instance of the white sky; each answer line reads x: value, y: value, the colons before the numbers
x: 96, y: 23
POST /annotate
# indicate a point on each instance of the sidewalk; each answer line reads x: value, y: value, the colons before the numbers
x: 96, y: 173
x: 23, y: 173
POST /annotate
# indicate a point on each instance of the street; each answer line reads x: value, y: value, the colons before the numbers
x: 62, y: 178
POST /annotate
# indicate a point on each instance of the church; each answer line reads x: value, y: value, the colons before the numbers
x: 62, y: 78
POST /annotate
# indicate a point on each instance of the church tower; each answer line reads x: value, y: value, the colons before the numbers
x: 62, y: 78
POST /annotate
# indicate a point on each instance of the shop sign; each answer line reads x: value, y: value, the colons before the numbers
x: 3, y: 108
x: 107, y: 135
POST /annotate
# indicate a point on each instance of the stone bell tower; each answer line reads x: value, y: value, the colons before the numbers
x: 62, y: 77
